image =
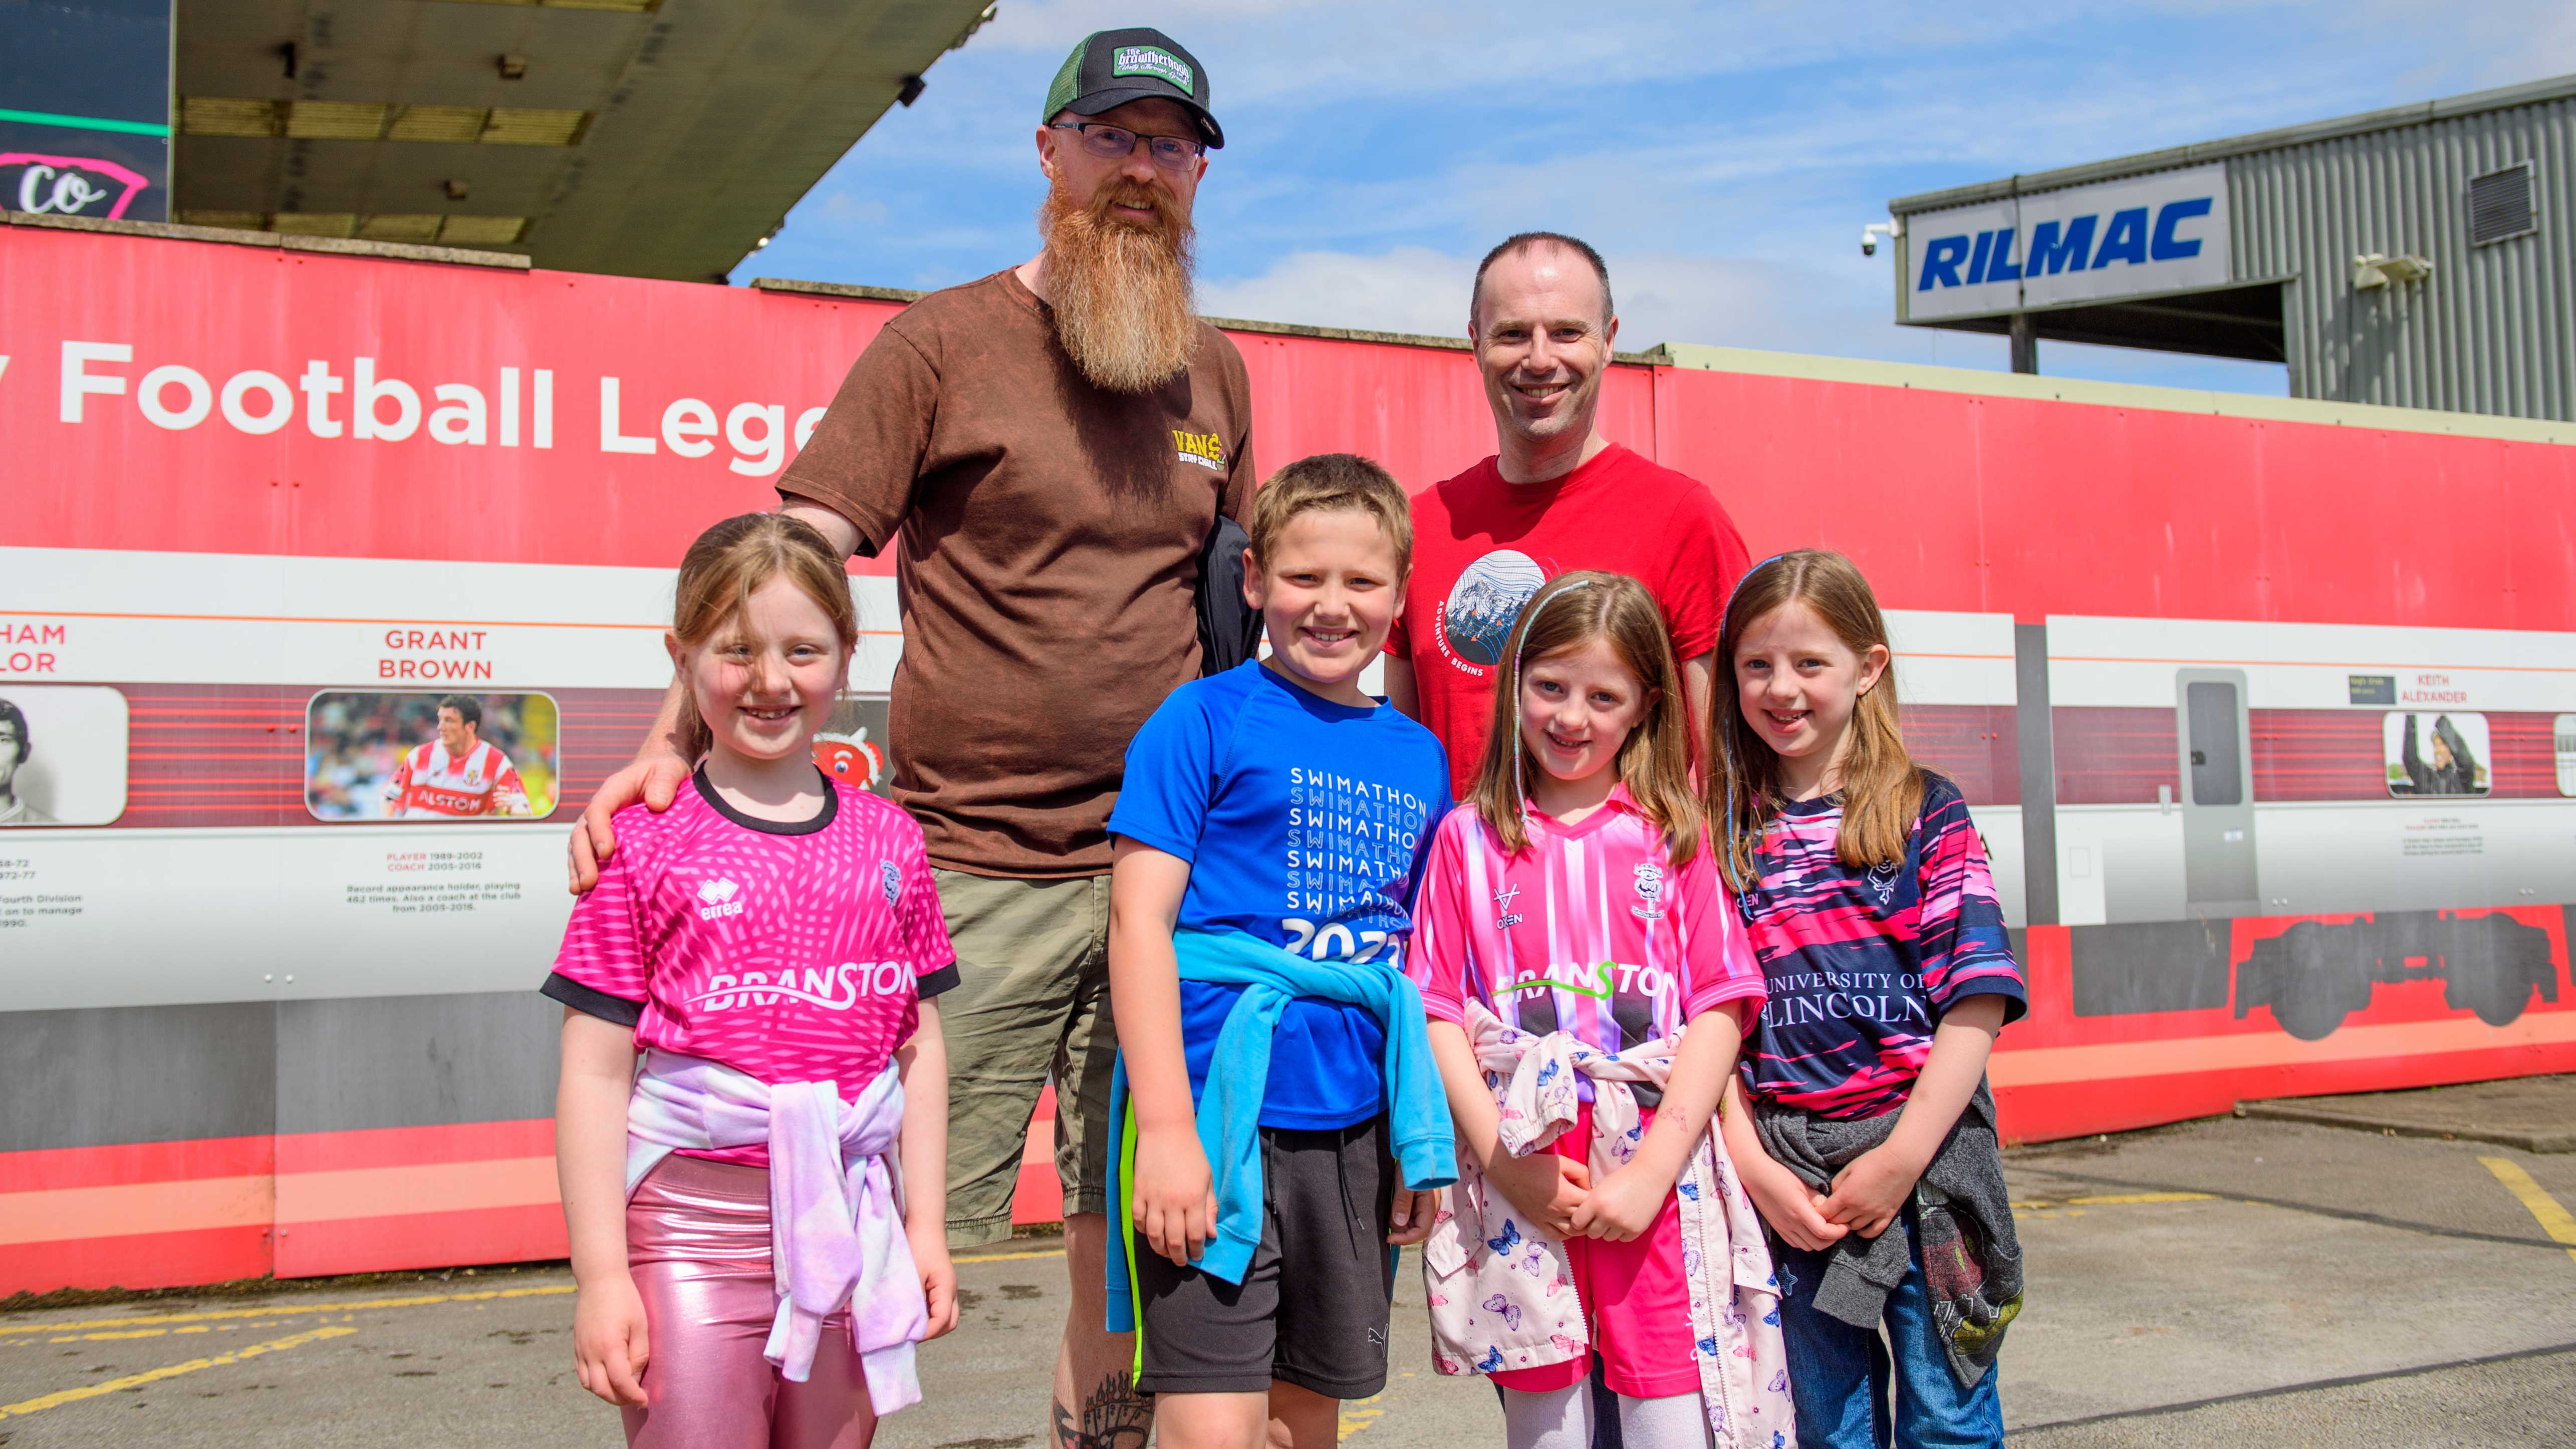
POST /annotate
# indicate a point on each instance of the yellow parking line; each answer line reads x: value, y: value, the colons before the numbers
x: 2125, y: 1199
x: 1356, y: 1416
x: 2554, y: 1220
x: 154, y: 1325
x: 282, y: 1311
x: 1009, y: 1257
x: 132, y: 1381
x: 157, y: 1332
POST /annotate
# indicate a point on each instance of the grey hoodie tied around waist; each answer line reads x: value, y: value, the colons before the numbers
x: 1971, y: 1257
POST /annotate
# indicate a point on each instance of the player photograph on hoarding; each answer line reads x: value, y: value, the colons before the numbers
x: 2442, y: 754
x: 62, y: 754
x: 419, y: 756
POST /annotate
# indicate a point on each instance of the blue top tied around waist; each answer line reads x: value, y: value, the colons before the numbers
x: 1229, y: 1109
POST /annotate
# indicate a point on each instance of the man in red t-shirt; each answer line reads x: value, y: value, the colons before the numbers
x: 1556, y: 497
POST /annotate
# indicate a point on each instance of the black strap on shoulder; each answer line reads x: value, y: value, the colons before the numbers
x: 1229, y: 628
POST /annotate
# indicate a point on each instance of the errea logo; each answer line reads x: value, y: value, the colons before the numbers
x: 718, y: 895
x: 1148, y: 60
x: 1204, y: 449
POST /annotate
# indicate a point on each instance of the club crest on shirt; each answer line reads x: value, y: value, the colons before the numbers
x: 1650, y: 891
x: 889, y: 879
x: 1882, y: 880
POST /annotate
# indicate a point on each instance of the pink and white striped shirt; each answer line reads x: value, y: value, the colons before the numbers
x: 1592, y: 931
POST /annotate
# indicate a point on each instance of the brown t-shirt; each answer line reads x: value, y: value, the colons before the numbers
x: 1050, y: 533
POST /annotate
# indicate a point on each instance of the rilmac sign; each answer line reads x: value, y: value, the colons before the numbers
x: 2161, y: 233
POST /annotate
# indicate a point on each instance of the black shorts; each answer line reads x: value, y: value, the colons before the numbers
x: 1313, y: 1309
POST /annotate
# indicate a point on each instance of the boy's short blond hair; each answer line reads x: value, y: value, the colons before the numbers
x: 1325, y: 483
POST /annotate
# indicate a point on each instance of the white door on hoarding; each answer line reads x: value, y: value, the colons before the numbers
x: 2217, y: 793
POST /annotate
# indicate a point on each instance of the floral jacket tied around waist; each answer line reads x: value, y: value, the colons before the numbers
x: 1501, y: 1294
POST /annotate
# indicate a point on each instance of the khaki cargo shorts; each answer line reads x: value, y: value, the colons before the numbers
x: 1032, y: 999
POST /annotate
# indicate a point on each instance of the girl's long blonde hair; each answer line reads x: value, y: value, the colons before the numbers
x: 1880, y: 785
x: 728, y: 564
x: 1653, y: 762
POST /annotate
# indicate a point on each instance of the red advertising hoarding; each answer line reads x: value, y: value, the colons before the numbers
x: 269, y: 512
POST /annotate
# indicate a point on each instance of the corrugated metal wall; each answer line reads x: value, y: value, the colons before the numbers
x: 2493, y: 330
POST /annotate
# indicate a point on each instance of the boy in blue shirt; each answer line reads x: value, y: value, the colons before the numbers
x: 1266, y: 845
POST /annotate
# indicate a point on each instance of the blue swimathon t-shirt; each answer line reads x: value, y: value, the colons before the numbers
x: 1305, y: 823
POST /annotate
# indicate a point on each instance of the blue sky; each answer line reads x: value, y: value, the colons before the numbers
x: 1722, y: 156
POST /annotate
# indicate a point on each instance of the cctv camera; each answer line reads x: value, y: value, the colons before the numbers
x: 1870, y: 234
x: 1868, y: 245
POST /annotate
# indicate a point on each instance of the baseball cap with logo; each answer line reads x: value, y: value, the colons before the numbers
x: 1112, y: 67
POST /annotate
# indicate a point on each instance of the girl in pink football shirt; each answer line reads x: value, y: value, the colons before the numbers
x: 1588, y: 983
x: 756, y: 1211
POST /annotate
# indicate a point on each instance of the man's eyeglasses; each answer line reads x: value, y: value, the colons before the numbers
x: 1117, y: 143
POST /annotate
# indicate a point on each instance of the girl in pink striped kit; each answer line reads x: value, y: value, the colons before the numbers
x: 756, y: 1211
x: 1589, y: 983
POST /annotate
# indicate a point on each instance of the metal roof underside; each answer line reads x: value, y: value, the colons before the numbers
x: 2193, y: 155
x: 652, y: 138
x: 2242, y: 322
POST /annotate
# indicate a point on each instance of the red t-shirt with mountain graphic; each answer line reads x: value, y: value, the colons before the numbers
x: 1482, y: 547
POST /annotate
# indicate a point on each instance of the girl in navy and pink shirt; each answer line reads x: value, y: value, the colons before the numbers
x: 1870, y: 1145
x: 756, y: 1214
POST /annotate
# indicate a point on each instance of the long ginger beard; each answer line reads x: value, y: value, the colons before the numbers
x: 1121, y: 291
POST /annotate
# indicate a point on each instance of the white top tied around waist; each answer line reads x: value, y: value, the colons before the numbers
x: 835, y: 1194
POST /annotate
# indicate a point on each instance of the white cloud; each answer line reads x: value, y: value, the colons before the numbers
x: 1312, y: 52
x: 842, y: 209
x: 1667, y: 297
x: 1408, y: 289
x: 1723, y: 155
x: 1662, y: 297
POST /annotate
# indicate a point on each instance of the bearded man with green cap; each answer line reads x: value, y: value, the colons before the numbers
x: 1047, y: 449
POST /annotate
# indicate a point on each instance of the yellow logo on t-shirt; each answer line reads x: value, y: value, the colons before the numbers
x: 1204, y: 449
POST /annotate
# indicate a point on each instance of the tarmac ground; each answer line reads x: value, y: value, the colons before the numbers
x: 2230, y: 1280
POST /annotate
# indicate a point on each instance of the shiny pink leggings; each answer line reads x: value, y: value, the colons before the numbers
x: 697, y: 1238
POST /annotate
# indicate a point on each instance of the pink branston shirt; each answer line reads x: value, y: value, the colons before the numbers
x: 1591, y: 931
x: 791, y: 952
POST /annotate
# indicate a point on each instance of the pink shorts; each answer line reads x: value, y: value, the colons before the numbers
x: 1635, y: 1298
x: 697, y: 1241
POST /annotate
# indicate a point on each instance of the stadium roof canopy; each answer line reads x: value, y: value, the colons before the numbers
x: 653, y: 138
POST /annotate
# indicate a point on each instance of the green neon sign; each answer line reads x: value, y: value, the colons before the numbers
x: 84, y: 123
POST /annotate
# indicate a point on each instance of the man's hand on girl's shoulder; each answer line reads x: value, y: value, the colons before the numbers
x: 655, y: 779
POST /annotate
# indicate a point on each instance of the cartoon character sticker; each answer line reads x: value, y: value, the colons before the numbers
x: 851, y: 758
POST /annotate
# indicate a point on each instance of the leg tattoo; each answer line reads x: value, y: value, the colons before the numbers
x: 1115, y: 1416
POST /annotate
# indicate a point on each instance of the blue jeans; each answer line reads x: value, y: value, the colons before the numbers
x: 1839, y: 1376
